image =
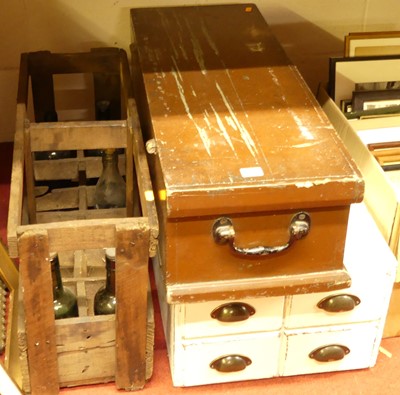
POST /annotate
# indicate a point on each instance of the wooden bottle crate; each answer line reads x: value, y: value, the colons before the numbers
x: 85, y: 345
x: 87, y: 349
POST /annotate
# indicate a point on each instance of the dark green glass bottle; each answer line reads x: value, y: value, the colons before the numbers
x: 105, y: 300
x: 65, y: 302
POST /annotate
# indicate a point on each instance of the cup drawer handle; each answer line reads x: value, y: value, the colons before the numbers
x: 230, y: 363
x: 339, y: 303
x: 233, y: 312
x: 333, y: 352
x: 224, y: 232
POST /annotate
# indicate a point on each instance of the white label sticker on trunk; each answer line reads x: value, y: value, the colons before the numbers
x: 247, y: 172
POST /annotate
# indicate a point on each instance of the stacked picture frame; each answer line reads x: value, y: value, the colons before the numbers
x: 365, y: 81
x: 365, y: 84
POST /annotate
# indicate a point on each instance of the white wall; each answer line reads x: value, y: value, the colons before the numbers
x: 310, y: 30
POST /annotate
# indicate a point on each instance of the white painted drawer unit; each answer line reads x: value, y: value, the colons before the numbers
x: 254, y: 338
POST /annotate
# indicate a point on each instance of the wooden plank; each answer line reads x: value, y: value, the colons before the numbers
x: 58, y: 199
x: 74, y: 135
x: 87, y: 234
x: 67, y: 63
x: 42, y: 91
x: 61, y: 216
x: 23, y: 381
x: 132, y: 244
x: 145, y: 188
x: 29, y: 178
x: 61, y: 169
x: 132, y: 206
x: 23, y: 80
x: 132, y: 194
x: 40, y: 325
x: 64, y: 169
x: 17, y: 172
x: 107, y: 87
x: 16, y: 184
x: 278, y: 285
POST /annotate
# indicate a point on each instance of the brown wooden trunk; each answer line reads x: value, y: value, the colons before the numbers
x: 233, y: 131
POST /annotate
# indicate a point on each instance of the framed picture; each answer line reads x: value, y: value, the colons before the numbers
x: 346, y: 72
x: 387, y: 154
x: 364, y: 100
x: 372, y: 44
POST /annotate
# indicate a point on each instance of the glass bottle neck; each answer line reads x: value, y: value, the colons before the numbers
x: 56, y: 274
x: 110, y: 159
x: 110, y: 277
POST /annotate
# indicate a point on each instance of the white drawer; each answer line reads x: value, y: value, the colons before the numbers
x: 371, y: 266
x: 196, y: 321
x: 360, y: 339
x: 303, y: 310
x: 190, y: 362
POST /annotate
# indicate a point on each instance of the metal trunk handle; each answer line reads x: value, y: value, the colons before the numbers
x: 224, y: 232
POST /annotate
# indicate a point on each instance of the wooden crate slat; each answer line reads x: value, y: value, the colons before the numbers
x: 36, y: 276
x: 16, y: 185
x: 74, y: 135
x: 43, y: 94
x: 29, y: 177
x: 58, y: 199
x: 131, y: 285
x: 105, y: 60
x: 64, y: 169
x: 144, y: 181
x: 61, y: 216
x: 87, y: 234
x: 86, y: 333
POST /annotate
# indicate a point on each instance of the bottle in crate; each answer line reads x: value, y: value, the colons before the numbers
x: 65, y: 302
x: 104, y: 300
x: 110, y: 189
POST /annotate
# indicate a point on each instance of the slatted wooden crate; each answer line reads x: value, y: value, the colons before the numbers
x: 89, y: 348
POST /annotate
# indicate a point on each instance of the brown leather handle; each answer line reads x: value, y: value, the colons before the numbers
x: 224, y: 232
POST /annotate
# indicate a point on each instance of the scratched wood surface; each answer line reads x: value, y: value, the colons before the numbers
x: 230, y: 114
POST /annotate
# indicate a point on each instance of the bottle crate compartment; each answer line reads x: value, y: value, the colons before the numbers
x: 51, y: 209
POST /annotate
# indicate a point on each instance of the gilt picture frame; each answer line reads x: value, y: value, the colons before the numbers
x: 372, y: 43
